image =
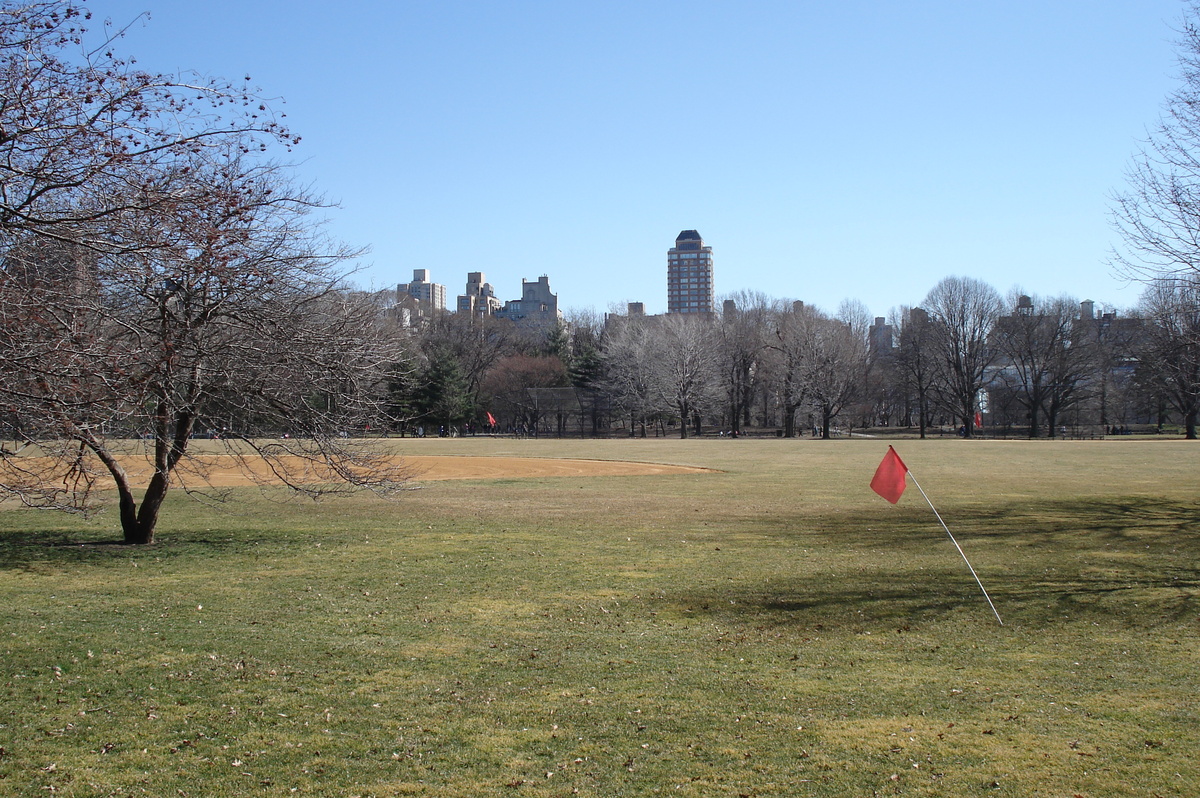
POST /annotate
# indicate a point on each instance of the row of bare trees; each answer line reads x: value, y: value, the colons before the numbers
x: 965, y: 353
x: 1027, y: 365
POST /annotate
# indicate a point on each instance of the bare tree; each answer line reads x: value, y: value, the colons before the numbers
x: 1114, y: 340
x: 794, y: 330
x: 629, y: 369
x: 1047, y: 359
x: 743, y: 339
x: 1158, y: 215
x: 1170, y: 351
x: 915, y: 361
x: 831, y: 362
x: 684, y: 373
x: 963, y: 312
x: 857, y: 359
x: 235, y: 322
x: 156, y: 280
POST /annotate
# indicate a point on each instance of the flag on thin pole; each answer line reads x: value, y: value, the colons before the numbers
x: 491, y: 419
x: 889, y: 481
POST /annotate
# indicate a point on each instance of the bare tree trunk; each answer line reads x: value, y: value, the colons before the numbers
x: 789, y: 421
x: 142, y: 530
x: 137, y: 524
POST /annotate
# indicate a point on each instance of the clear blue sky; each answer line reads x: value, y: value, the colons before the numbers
x: 825, y: 150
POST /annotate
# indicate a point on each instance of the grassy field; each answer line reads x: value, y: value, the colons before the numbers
x: 774, y: 629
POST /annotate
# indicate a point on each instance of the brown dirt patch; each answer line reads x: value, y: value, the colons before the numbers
x: 435, y: 467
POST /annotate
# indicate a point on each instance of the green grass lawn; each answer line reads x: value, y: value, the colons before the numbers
x: 772, y: 629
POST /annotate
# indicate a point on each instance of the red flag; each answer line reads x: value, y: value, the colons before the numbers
x: 889, y: 480
x: 491, y: 418
x: 978, y: 420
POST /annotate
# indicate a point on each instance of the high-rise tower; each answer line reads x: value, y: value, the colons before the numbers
x: 689, y: 275
x: 480, y: 299
x: 420, y: 288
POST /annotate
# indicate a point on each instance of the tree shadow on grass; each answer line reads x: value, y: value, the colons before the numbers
x: 868, y: 599
x: 1127, y: 560
x: 55, y: 548
x: 1107, y: 520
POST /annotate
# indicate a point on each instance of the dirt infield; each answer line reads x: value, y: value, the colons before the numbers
x: 224, y: 471
x: 451, y: 467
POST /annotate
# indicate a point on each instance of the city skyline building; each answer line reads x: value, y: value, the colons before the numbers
x: 537, y: 307
x: 689, y: 275
x: 421, y: 289
x: 479, y: 299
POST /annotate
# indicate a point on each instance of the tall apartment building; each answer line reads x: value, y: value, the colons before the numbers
x: 479, y: 299
x: 434, y: 294
x: 689, y: 275
x: 880, y: 337
x: 537, y: 307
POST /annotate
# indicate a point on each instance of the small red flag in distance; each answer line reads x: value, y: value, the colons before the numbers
x: 978, y: 420
x: 889, y: 479
x: 491, y: 418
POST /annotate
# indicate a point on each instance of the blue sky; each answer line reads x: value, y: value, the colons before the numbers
x: 825, y: 150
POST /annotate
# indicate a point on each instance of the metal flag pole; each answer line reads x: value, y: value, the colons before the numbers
x: 955, y: 542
